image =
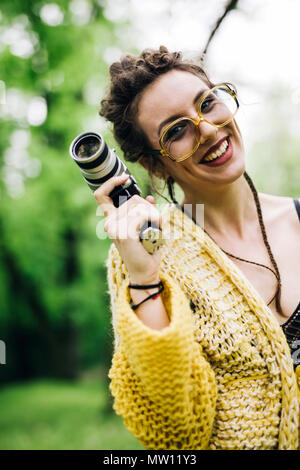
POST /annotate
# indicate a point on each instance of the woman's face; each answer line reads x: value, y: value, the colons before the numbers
x: 173, y: 95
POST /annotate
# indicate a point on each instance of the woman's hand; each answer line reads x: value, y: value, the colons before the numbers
x: 123, y: 226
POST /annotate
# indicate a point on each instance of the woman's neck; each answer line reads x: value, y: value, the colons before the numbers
x: 229, y: 210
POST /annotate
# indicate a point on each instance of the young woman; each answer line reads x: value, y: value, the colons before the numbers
x: 205, y: 328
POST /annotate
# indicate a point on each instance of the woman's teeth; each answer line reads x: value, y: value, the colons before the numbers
x: 213, y: 156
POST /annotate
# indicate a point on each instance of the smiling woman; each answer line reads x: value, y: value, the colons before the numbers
x: 205, y: 364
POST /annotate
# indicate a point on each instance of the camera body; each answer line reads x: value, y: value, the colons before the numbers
x: 98, y: 163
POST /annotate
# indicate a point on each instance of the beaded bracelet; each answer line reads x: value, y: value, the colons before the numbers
x: 152, y: 296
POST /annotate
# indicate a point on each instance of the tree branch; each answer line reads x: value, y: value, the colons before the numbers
x: 231, y: 5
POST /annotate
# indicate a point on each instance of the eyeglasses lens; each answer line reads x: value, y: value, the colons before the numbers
x: 181, y: 138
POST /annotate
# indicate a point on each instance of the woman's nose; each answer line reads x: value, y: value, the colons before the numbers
x: 207, y: 131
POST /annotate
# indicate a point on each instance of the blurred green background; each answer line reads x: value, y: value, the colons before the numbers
x: 54, y: 304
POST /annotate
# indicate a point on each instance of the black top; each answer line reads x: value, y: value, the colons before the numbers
x: 291, y: 327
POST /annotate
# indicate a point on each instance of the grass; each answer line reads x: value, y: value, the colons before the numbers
x: 51, y: 414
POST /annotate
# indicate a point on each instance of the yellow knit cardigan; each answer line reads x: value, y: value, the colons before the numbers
x: 220, y: 375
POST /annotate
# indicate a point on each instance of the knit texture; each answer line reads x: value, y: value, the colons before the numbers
x: 220, y: 375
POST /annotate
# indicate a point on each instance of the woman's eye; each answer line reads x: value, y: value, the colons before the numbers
x: 175, y: 132
x: 207, y: 104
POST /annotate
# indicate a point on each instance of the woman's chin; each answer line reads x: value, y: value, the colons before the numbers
x: 236, y: 169
x: 228, y: 172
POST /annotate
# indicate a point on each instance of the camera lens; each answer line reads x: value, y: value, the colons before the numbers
x: 98, y: 163
x: 87, y: 147
x: 89, y: 150
x: 96, y: 160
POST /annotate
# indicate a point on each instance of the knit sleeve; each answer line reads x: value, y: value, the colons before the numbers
x: 162, y: 386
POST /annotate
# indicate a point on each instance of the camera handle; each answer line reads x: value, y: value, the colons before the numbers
x: 150, y: 234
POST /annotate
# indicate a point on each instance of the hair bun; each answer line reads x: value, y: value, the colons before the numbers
x: 128, y: 61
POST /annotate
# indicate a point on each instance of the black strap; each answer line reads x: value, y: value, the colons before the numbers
x: 134, y: 307
x: 150, y: 286
x: 297, y: 205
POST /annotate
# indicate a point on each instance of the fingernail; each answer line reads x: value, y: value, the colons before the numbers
x: 123, y: 176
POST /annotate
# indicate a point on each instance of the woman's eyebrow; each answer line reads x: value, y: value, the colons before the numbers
x: 177, y: 116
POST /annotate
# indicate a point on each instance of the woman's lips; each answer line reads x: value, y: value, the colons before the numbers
x: 214, y: 148
x: 221, y: 160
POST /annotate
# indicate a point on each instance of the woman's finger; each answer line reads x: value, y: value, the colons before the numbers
x: 150, y: 199
x: 102, y: 194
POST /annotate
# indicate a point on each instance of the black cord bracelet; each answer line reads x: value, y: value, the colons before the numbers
x: 150, y: 286
x: 134, y: 307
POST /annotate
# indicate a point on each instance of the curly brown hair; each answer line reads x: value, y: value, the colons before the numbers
x: 129, y: 78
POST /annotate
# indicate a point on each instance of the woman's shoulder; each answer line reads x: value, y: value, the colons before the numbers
x: 279, y: 208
